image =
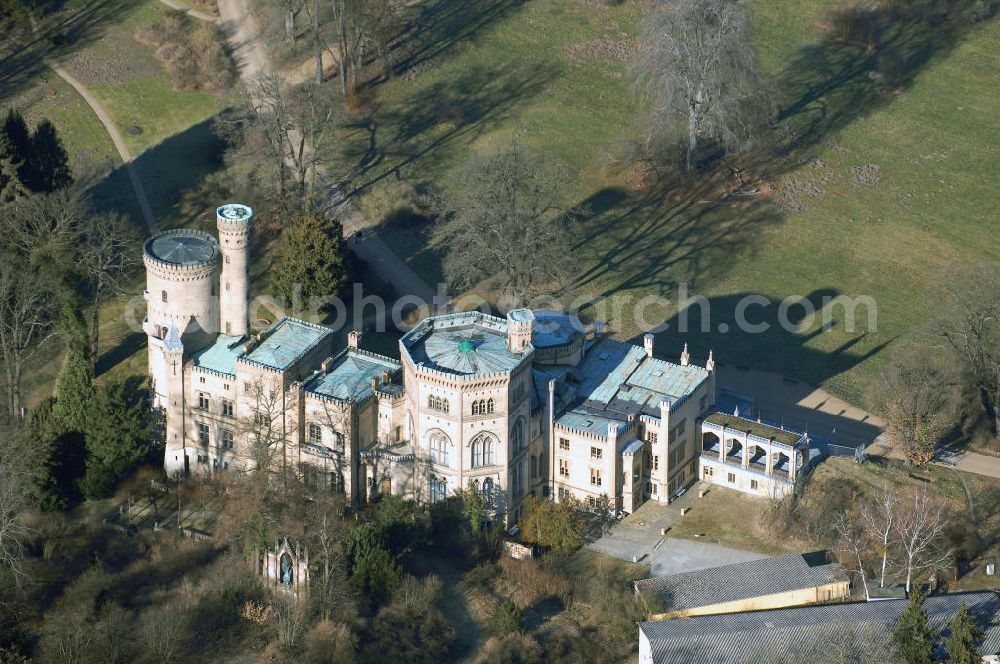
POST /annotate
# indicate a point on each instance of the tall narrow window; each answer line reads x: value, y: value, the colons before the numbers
x: 439, y: 448
x: 595, y: 477
x: 475, y: 407
x: 315, y: 434
x: 489, y: 406
x: 202, y: 433
x: 227, y: 439
x: 563, y: 468
x: 227, y: 408
x: 439, y: 489
x: 163, y: 296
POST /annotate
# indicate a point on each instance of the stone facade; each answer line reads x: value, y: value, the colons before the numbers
x: 533, y: 403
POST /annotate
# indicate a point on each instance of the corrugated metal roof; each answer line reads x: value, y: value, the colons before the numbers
x: 351, y: 375
x: 758, y: 578
x: 286, y: 342
x: 801, y: 634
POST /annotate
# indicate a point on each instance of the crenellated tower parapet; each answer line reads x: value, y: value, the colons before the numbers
x: 181, y: 285
x: 234, y: 223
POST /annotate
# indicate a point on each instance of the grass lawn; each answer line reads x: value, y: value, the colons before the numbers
x: 88, y: 145
x: 886, y: 193
x: 132, y: 85
x: 727, y: 517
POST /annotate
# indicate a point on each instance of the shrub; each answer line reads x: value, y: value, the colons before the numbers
x: 527, y: 583
x: 507, y: 619
x: 399, y: 634
x: 330, y: 643
x: 511, y: 649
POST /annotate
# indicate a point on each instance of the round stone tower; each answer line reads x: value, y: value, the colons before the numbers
x: 234, y: 222
x: 182, y: 286
x: 520, y: 325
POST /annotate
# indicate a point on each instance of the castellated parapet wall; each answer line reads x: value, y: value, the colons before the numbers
x: 234, y: 222
x: 182, y: 269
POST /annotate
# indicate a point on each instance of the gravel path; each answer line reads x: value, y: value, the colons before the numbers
x: 253, y: 62
x: 193, y: 13
x: 116, y: 138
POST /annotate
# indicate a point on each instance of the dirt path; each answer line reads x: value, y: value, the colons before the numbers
x: 190, y: 11
x: 253, y: 62
x: 116, y: 138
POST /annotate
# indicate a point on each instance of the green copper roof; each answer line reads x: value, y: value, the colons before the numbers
x: 286, y: 342
x: 221, y: 355
x: 351, y: 375
x: 466, y: 343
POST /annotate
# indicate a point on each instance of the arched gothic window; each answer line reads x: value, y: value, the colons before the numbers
x: 517, y: 436
x: 489, y: 406
x: 440, y: 447
x: 437, y: 403
x: 475, y: 407
x: 483, y: 450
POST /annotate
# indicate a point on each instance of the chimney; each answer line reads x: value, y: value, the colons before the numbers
x: 685, y: 356
x: 353, y: 339
x: 326, y: 364
x: 385, y: 376
x: 647, y: 344
x: 374, y: 382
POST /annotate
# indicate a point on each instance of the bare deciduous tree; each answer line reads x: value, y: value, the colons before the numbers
x: 920, y: 530
x: 972, y: 327
x: 19, y: 472
x: 506, y: 222
x: 698, y: 68
x: 26, y: 308
x: 852, y: 542
x: 291, y: 128
x: 108, y: 254
x: 363, y: 28
x: 915, y: 396
x: 878, y: 515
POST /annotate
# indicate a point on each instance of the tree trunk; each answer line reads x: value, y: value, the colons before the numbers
x: 95, y: 329
x: 318, y: 45
x: 693, y: 115
x: 290, y: 26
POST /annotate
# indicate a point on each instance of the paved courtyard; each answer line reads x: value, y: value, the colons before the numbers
x: 640, y: 536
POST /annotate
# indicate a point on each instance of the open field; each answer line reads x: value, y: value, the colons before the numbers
x: 879, y: 200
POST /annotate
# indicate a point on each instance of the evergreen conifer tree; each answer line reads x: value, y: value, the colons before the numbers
x: 913, y: 638
x: 118, y: 438
x: 48, y: 163
x: 311, y: 258
x: 74, y: 393
x: 961, y: 642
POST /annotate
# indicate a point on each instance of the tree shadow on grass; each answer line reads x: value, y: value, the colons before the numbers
x: 653, y: 241
x: 831, y: 84
x: 438, y: 26
x: 126, y: 347
x: 64, y: 32
x: 171, y: 171
x: 443, y: 115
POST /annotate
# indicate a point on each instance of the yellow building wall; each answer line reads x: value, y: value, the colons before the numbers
x: 825, y: 593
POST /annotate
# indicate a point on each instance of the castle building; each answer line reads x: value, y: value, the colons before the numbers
x: 532, y: 403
